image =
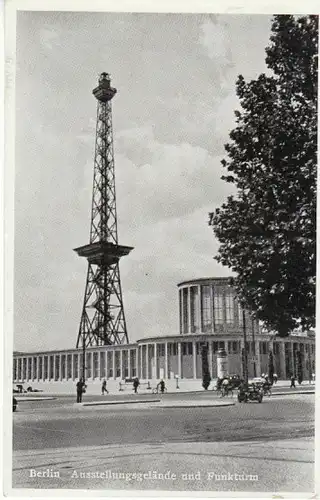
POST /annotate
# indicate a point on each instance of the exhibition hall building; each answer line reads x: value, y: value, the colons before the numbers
x: 209, y: 315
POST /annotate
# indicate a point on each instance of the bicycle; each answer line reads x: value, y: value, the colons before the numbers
x: 266, y: 391
x: 223, y: 391
x: 157, y: 390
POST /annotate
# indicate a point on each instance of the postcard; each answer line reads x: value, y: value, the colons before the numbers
x: 159, y: 245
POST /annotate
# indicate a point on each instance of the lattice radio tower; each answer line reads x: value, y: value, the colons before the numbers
x: 103, y: 321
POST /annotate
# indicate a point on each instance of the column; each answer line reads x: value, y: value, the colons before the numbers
x: 198, y: 309
x: 189, y: 309
x: 141, y: 352
x: 179, y: 359
x: 129, y: 363
x: 147, y: 362
x: 38, y: 368
x: 54, y: 367
x: 155, y: 360
x: 114, y: 364
x: 60, y: 367
x: 166, y: 360
x: 194, y: 359
x: 121, y: 365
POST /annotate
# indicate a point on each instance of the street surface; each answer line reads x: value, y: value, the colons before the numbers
x: 272, y: 440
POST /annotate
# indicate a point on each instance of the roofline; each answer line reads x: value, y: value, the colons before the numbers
x: 202, y: 280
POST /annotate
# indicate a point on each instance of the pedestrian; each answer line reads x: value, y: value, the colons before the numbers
x: 275, y: 378
x: 162, y: 386
x: 80, y: 389
x: 104, y: 388
x: 293, y: 381
x: 136, y: 384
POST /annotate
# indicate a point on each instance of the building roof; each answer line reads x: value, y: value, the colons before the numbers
x: 205, y: 280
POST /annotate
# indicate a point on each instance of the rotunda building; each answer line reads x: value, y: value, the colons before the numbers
x: 210, y: 318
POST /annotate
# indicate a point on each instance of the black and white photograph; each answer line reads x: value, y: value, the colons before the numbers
x: 160, y: 250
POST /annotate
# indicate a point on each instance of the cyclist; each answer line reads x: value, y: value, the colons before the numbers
x: 162, y: 386
x: 225, y: 387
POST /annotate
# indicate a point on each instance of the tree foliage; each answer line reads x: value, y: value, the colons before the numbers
x: 267, y: 230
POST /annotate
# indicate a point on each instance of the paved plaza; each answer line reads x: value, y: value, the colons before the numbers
x: 166, y: 444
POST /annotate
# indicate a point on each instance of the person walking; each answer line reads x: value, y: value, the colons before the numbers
x: 104, y: 388
x: 80, y: 389
x: 293, y: 381
x: 136, y: 384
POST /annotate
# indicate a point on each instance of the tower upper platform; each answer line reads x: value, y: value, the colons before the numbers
x: 104, y: 92
x: 100, y: 253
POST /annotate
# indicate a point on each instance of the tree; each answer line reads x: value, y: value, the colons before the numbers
x: 267, y: 229
x: 206, y: 377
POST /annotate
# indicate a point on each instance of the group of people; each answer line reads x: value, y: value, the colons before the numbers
x: 81, y: 387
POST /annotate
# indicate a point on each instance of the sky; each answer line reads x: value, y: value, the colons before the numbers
x: 175, y: 75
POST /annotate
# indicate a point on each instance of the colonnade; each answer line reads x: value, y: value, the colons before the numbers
x: 165, y: 358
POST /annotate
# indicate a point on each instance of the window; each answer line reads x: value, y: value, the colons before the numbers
x: 57, y: 370
x: 63, y: 366
x: 185, y: 310
x: 89, y: 365
x: 229, y: 308
x: 174, y: 349
x: 194, y: 308
x: 69, y: 366
x: 161, y: 349
x: 206, y: 310
x: 95, y: 365
x: 46, y: 374
x: 75, y: 366
x: 29, y: 368
x: 102, y: 364
x: 215, y: 347
x: 40, y: 367
x: 218, y: 307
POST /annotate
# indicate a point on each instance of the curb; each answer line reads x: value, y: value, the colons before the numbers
x: 44, y: 398
x: 291, y: 393
x: 198, y: 405
x: 109, y: 403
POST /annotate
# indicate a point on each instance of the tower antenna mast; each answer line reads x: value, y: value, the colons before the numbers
x: 103, y: 320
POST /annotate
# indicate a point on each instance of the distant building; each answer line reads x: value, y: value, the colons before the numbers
x: 209, y: 315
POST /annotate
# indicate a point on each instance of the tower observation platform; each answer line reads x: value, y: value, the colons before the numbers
x: 103, y: 320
